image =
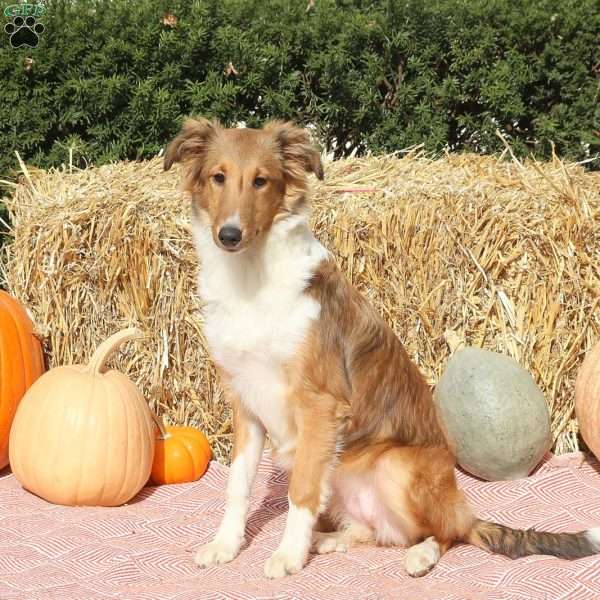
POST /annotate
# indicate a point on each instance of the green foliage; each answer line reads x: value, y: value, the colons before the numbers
x: 111, y: 80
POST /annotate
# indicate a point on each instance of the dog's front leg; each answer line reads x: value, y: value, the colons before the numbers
x: 248, y: 442
x: 308, y: 490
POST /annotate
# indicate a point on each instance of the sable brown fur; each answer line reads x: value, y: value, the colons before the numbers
x: 384, y: 408
x: 317, y: 432
x: 356, y: 356
x: 385, y: 412
x: 430, y: 497
x: 239, y: 156
x: 205, y: 147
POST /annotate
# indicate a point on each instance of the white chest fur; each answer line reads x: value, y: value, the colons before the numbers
x: 256, y: 315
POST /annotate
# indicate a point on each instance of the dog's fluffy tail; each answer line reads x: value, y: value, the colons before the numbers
x: 523, y: 542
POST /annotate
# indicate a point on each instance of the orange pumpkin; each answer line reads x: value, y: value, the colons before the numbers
x: 21, y: 363
x: 587, y: 399
x: 84, y: 435
x: 181, y: 454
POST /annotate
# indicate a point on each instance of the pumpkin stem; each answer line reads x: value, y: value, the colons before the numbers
x: 162, y: 432
x: 106, y: 349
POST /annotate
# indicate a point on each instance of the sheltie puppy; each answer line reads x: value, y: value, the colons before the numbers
x: 304, y: 358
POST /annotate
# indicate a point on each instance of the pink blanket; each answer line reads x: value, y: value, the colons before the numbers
x: 145, y: 549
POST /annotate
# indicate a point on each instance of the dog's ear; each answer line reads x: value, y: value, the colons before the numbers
x: 300, y: 155
x: 192, y: 142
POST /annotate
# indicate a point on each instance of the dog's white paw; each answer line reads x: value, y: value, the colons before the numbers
x: 324, y: 543
x: 283, y: 563
x: 215, y: 553
x: 421, y: 558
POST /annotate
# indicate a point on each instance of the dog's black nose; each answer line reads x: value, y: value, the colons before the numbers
x: 230, y: 236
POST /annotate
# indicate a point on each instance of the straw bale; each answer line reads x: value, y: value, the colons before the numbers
x: 459, y: 250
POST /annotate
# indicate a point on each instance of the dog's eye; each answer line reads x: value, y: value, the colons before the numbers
x: 219, y: 178
x: 260, y: 182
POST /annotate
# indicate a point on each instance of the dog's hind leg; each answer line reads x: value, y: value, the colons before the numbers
x: 422, y: 557
x: 332, y: 541
x: 340, y: 541
x: 431, y: 502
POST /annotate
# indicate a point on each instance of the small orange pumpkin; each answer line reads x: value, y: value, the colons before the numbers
x: 587, y: 400
x: 181, y: 454
x: 21, y: 363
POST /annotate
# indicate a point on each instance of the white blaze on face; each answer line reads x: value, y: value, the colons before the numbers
x: 233, y: 221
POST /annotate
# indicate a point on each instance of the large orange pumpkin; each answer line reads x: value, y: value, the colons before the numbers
x: 587, y: 399
x: 21, y: 363
x: 84, y: 436
x: 181, y: 455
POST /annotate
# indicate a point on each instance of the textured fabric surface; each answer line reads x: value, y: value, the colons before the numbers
x: 144, y: 550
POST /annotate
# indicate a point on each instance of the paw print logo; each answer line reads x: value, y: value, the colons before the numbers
x: 24, y: 32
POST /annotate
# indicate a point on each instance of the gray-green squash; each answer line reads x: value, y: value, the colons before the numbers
x: 494, y: 413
